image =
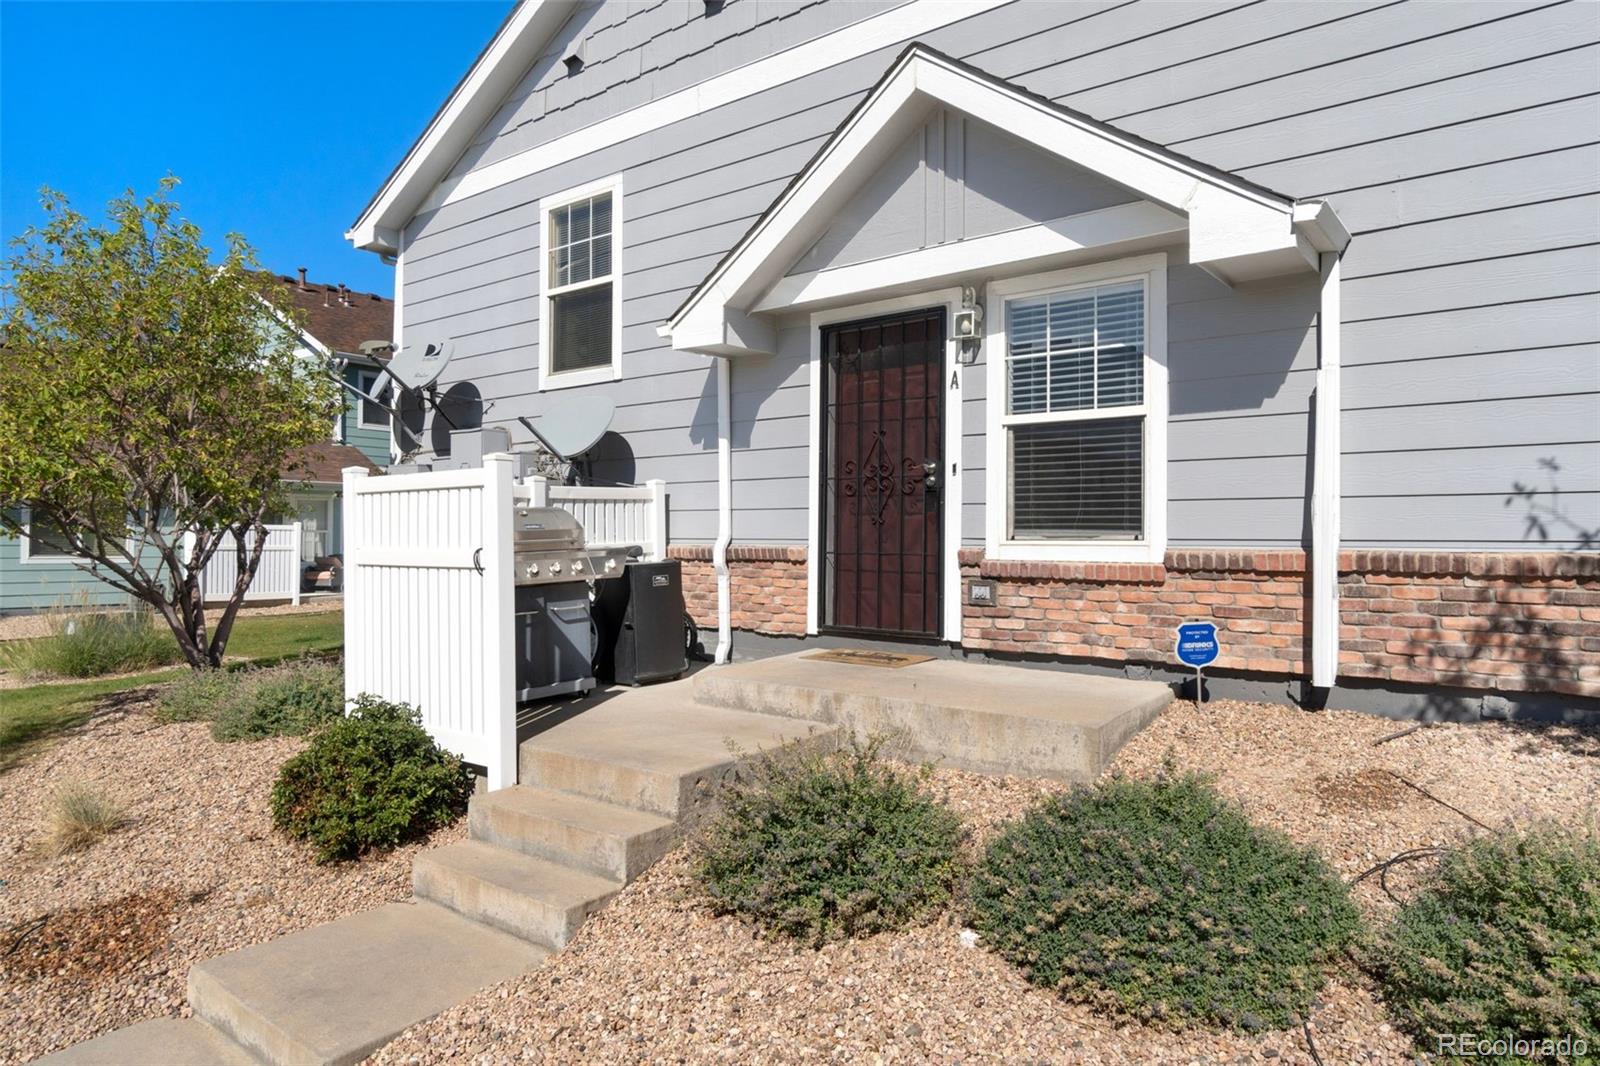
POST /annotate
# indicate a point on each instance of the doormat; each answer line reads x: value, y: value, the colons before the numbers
x: 889, y: 660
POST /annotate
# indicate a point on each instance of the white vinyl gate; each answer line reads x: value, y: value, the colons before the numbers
x: 277, y: 577
x: 428, y: 592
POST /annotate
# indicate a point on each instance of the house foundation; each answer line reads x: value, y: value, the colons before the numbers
x: 1512, y: 623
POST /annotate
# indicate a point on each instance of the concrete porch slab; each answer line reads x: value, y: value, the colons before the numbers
x: 975, y: 716
x: 655, y: 749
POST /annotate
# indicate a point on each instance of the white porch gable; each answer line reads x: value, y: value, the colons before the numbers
x: 1234, y: 229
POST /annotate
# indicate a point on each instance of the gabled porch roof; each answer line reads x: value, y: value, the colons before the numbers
x: 1235, y: 229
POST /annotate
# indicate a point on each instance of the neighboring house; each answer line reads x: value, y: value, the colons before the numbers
x: 335, y: 322
x: 1035, y: 329
x: 36, y: 573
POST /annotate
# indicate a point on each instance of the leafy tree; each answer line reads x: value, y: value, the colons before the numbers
x: 145, y: 392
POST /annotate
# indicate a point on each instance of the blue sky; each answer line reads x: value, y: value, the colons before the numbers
x: 281, y: 118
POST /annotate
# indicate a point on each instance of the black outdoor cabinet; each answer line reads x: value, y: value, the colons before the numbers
x: 639, y: 618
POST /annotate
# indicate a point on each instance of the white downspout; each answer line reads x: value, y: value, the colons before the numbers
x: 1325, y: 493
x: 719, y: 551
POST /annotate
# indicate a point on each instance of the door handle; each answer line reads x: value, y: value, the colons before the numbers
x: 930, y: 473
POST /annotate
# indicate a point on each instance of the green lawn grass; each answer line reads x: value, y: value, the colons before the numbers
x: 32, y: 714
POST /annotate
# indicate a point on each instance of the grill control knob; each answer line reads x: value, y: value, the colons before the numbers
x: 611, y: 564
x: 577, y: 566
x: 533, y: 569
x: 555, y: 568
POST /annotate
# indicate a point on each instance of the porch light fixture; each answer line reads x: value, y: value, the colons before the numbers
x: 968, y: 325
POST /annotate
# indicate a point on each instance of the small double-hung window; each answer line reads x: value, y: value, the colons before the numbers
x: 581, y: 308
x: 1080, y: 423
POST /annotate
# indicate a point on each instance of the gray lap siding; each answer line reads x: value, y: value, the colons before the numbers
x: 1456, y: 142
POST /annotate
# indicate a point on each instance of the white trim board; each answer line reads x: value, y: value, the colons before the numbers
x: 952, y: 374
x: 1152, y: 270
x: 420, y: 182
x: 1108, y: 231
x: 892, y: 27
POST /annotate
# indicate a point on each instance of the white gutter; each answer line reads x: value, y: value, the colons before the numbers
x: 1325, y: 493
x: 719, y: 551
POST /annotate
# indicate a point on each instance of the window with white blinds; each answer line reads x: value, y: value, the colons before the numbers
x: 1074, y: 415
x: 581, y: 238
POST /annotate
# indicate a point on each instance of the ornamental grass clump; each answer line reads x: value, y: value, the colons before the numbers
x: 370, y: 780
x: 1158, y: 899
x: 1504, y: 945
x: 819, y: 846
x: 89, y: 643
x: 288, y: 700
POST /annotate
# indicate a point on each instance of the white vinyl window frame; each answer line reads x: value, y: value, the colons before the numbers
x: 368, y: 382
x: 548, y: 377
x: 27, y: 555
x: 1150, y: 548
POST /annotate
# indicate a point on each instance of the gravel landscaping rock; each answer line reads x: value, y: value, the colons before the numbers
x: 196, y: 871
x: 655, y: 977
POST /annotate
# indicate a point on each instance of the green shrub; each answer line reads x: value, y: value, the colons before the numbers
x: 819, y: 846
x: 1160, y: 900
x: 371, y: 779
x: 94, y: 643
x: 250, y: 704
x: 198, y: 696
x: 1505, y: 944
x: 287, y: 700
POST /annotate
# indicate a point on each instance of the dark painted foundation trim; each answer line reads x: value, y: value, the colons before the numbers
x: 1418, y: 703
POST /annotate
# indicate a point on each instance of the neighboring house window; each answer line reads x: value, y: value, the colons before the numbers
x: 372, y: 416
x: 1080, y: 425
x: 581, y: 312
x: 44, y: 542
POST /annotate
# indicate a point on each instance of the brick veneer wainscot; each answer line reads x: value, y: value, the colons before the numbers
x: 1516, y: 622
x: 768, y: 586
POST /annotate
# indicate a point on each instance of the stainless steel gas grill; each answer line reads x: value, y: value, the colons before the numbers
x: 554, y: 632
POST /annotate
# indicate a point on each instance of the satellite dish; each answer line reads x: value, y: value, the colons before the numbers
x: 574, y: 426
x: 420, y: 365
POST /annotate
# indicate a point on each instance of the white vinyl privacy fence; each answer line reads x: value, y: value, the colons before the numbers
x: 428, y: 592
x: 277, y: 578
x: 611, y: 517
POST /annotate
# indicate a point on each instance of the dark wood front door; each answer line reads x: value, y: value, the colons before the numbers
x: 882, y: 461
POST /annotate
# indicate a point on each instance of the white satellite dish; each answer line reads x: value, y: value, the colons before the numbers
x: 573, y: 426
x: 420, y: 365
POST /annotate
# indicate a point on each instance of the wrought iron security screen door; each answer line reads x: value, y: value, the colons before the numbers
x: 882, y: 445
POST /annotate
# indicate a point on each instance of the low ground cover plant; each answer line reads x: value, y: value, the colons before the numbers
x: 1159, y: 899
x: 1503, y: 945
x: 87, y: 643
x: 820, y: 846
x: 80, y: 814
x: 287, y: 700
x: 369, y: 780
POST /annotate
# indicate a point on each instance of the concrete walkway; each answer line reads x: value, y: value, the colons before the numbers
x: 608, y: 785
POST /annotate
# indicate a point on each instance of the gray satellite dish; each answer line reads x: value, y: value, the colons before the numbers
x: 415, y: 371
x: 574, y: 426
x: 420, y: 365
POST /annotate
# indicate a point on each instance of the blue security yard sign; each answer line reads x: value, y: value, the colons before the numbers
x: 1197, y: 646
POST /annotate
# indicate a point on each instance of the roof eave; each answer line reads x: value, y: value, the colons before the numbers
x: 518, y: 43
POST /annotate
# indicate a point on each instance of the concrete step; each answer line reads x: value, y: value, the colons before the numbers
x: 157, y: 1042
x: 536, y: 899
x: 614, y: 842
x: 655, y: 749
x: 333, y: 993
x: 975, y: 716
